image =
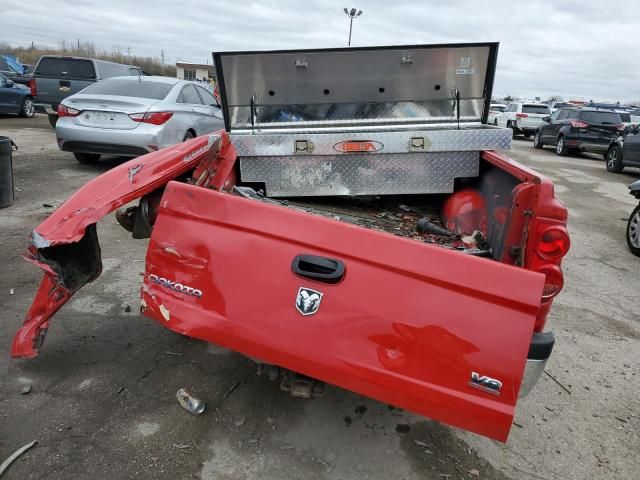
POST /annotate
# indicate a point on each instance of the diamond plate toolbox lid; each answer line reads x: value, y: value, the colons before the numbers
x: 443, y: 85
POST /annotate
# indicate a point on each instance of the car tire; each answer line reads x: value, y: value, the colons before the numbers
x: 561, y: 147
x: 513, y: 130
x: 28, y: 110
x: 188, y: 136
x: 633, y: 231
x: 613, y: 159
x: 527, y: 135
x: 537, y: 141
x: 87, y: 157
x: 53, y: 119
x: 495, y: 122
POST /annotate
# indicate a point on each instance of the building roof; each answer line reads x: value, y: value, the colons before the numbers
x: 189, y: 64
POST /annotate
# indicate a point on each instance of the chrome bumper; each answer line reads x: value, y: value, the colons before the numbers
x: 532, y: 372
x: 46, y: 108
x: 539, y: 352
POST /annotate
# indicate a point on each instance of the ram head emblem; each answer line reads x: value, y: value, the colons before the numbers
x: 308, y: 301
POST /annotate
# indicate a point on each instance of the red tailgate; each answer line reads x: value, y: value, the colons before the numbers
x: 409, y: 323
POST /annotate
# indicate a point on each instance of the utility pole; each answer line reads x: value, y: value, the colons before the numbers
x: 162, y: 56
x: 129, y: 53
x: 353, y: 13
x: 78, y: 44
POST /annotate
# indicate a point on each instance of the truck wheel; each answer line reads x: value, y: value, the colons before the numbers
x: 561, y: 147
x: 87, y: 157
x: 633, y: 232
x: 27, y: 108
x: 614, y: 159
x: 537, y: 141
x: 53, y: 119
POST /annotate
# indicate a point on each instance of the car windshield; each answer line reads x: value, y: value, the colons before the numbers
x: 66, y: 68
x: 625, y: 117
x: 601, y: 118
x: 497, y: 108
x: 130, y: 88
x: 541, y: 109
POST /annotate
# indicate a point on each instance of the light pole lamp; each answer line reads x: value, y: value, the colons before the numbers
x: 353, y: 13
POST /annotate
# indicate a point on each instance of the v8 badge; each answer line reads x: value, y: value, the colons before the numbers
x: 308, y: 301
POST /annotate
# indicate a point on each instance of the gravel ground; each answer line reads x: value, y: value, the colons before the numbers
x: 102, y: 391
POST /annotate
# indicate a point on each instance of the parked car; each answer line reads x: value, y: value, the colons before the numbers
x: 57, y: 77
x: 523, y: 118
x: 15, y: 98
x: 131, y: 116
x: 299, y: 277
x: 624, y: 151
x: 494, y: 110
x: 633, y: 225
x: 14, y: 71
x: 558, y: 105
x: 580, y: 129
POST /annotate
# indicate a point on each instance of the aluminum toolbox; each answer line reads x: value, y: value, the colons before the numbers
x: 377, y: 120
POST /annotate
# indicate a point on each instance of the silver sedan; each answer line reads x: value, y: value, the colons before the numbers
x: 132, y: 116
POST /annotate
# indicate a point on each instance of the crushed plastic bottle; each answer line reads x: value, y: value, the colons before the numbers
x: 191, y: 404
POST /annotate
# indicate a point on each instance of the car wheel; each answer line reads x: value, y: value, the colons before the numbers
x: 495, y: 122
x: 537, y: 141
x: 633, y: 231
x: 561, y: 147
x: 53, y: 119
x: 188, y: 136
x: 87, y: 157
x: 614, y: 159
x: 28, y: 111
x: 513, y: 130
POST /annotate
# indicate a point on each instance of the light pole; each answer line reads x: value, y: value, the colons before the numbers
x: 353, y: 13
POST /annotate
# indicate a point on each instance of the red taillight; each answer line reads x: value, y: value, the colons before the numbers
x: 155, y: 118
x: 32, y: 87
x: 579, y: 124
x: 620, y: 127
x: 554, y: 281
x: 554, y: 243
x: 64, y: 111
x: 522, y: 115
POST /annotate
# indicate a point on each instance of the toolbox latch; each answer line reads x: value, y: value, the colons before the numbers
x: 417, y: 144
x: 304, y: 146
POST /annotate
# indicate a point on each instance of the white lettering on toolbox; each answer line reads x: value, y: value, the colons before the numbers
x: 175, y: 286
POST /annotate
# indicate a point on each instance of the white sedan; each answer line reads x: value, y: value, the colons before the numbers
x: 132, y: 116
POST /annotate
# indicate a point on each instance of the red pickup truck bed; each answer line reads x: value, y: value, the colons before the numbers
x: 340, y: 289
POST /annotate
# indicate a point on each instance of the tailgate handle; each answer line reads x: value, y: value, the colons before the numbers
x: 64, y: 83
x: 320, y: 269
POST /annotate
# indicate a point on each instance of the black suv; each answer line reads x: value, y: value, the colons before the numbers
x: 580, y: 129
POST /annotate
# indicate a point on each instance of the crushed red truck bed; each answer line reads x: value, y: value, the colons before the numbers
x: 358, y: 229
x: 409, y: 323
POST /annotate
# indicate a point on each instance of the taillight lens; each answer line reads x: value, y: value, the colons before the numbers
x: 32, y: 87
x: 64, y: 111
x: 554, y: 243
x: 620, y: 127
x: 522, y: 115
x: 155, y: 118
x: 579, y: 124
x: 554, y: 281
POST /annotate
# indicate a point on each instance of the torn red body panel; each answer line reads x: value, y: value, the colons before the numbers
x: 65, y: 245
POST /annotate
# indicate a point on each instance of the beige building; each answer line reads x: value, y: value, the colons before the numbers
x: 195, y: 71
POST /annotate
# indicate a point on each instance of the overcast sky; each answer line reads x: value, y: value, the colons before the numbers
x: 576, y: 49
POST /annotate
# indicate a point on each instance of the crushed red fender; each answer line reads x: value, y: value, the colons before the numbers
x: 66, y: 246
